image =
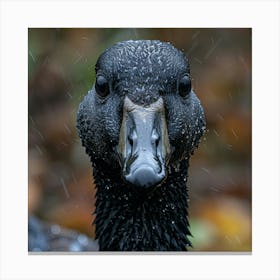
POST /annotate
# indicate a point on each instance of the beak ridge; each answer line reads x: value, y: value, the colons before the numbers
x: 144, y: 145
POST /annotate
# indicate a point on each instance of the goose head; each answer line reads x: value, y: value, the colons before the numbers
x: 141, y: 115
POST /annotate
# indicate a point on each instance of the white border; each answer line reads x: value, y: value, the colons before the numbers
x: 17, y: 16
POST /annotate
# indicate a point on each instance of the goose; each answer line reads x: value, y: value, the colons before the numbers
x: 139, y: 125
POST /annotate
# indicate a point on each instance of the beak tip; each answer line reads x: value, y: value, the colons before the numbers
x: 145, y: 177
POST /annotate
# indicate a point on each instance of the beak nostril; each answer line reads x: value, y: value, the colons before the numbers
x: 130, y: 141
x: 132, y: 138
x: 157, y: 142
x: 155, y: 138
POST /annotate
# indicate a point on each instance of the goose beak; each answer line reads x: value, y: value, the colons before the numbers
x: 144, y: 146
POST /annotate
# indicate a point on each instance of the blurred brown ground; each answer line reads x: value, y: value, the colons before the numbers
x: 61, y: 71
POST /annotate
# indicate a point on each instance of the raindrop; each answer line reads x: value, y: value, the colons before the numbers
x: 229, y: 147
x: 220, y: 117
x: 206, y: 170
x: 32, y: 56
x: 32, y: 120
x: 217, y: 134
x: 214, y: 189
x: 74, y: 178
x: 64, y: 187
x: 228, y: 239
x: 237, y: 239
x: 197, y: 60
x: 39, y: 150
x: 235, y: 135
x: 67, y: 128
x: 69, y: 94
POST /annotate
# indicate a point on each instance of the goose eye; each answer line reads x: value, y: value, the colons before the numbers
x: 185, y: 86
x: 102, y: 86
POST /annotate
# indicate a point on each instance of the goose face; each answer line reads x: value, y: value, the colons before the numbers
x: 141, y: 114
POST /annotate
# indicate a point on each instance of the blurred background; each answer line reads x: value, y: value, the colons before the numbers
x: 61, y: 71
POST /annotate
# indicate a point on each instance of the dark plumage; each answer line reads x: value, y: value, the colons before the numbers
x: 139, y: 124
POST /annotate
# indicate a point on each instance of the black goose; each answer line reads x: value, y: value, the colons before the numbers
x: 139, y: 125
